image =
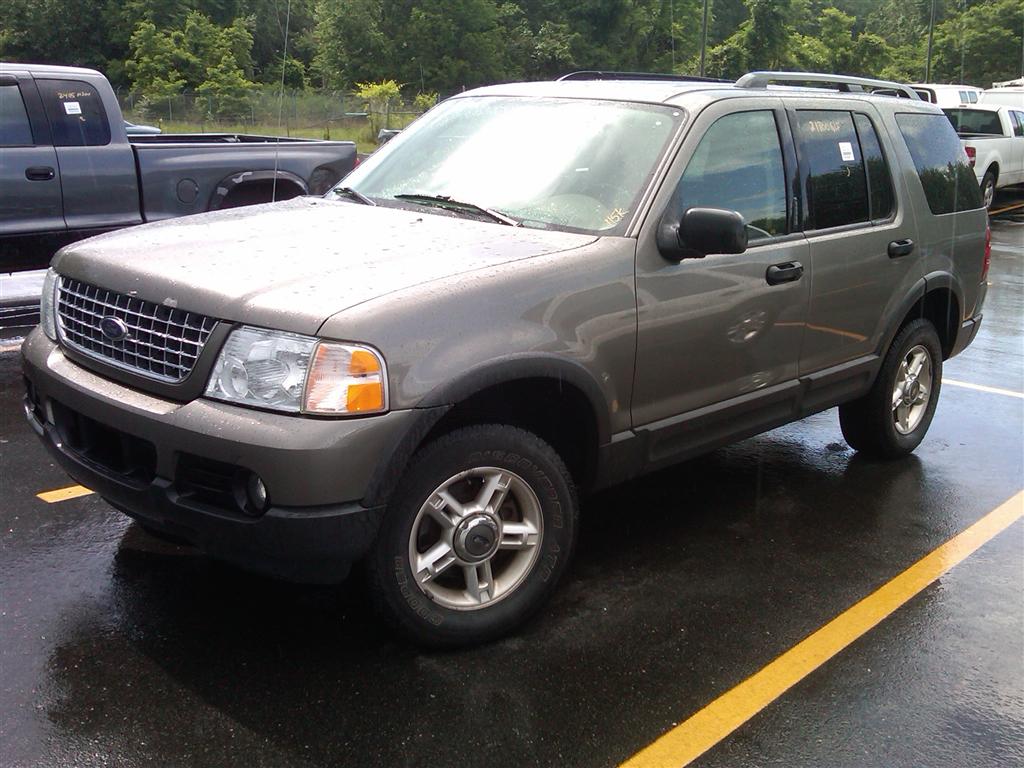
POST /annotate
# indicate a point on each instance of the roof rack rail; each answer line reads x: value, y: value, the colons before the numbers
x: 598, y: 74
x: 845, y: 83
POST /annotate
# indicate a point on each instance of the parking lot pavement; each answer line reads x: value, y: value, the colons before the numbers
x: 116, y: 649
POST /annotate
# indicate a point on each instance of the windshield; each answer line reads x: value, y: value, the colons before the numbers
x: 548, y: 163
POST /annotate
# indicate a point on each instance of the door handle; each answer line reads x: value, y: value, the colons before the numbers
x: 899, y: 248
x: 39, y: 173
x: 784, y: 273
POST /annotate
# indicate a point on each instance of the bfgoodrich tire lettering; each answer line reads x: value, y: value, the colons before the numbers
x: 476, y: 536
x: 893, y: 418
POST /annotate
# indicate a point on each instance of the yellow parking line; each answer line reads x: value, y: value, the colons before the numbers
x: 983, y: 388
x: 63, y: 494
x: 1013, y: 207
x: 703, y: 730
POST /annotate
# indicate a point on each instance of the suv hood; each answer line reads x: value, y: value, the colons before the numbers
x: 293, y: 264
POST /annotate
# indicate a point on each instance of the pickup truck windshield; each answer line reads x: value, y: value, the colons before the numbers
x: 566, y: 164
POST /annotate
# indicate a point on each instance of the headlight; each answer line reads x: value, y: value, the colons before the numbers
x: 48, y: 305
x: 290, y: 372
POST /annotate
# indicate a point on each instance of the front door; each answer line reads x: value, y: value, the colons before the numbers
x: 721, y: 334
x: 30, y: 194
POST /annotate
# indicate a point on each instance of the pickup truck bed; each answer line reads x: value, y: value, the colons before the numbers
x: 993, y: 138
x: 68, y: 170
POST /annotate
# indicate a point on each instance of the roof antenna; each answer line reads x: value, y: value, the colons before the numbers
x: 280, y: 101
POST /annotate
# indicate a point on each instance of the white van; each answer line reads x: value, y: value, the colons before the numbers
x: 948, y: 94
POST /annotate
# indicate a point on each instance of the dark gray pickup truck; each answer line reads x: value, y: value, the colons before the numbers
x: 68, y: 170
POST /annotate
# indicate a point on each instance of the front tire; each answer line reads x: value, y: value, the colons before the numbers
x: 476, y: 537
x: 892, y: 419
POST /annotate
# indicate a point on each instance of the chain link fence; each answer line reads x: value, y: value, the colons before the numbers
x: 308, y: 113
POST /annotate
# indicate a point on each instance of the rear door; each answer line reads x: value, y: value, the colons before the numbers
x: 30, y: 198
x: 863, y: 250
x: 97, y: 165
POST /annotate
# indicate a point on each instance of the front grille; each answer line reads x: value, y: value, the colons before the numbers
x: 162, y: 342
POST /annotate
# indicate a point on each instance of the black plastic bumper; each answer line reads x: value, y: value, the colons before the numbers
x: 306, y: 544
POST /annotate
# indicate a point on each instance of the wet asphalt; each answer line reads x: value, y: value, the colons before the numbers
x: 119, y: 650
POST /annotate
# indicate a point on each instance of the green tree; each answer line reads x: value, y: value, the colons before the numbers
x: 226, y: 90
x: 379, y: 98
x: 351, y: 45
x: 760, y: 42
x: 980, y: 46
x: 156, y: 63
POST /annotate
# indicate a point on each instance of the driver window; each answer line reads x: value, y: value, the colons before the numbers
x: 738, y: 166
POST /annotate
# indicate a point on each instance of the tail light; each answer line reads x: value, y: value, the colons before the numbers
x: 988, y: 253
x: 972, y: 155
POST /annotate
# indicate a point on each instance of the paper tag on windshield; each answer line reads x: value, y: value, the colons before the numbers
x: 72, y: 108
x: 846, y: 150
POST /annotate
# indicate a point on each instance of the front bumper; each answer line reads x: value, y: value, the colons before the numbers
x: 176, y: 466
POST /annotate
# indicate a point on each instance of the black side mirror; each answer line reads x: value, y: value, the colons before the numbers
x: 701, y: 231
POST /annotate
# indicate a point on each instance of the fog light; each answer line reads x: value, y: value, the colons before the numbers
x: 256, y: 491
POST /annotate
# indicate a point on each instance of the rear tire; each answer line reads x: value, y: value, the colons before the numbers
x: 892, y: 419
x: 988, y: 188
x: 476, y: 537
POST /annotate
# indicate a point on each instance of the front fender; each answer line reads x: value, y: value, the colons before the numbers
x: 527, y: 365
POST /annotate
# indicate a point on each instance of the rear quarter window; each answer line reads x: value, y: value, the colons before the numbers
x: 880, y: 193
x: 948, y: 181
x: 75, y: 113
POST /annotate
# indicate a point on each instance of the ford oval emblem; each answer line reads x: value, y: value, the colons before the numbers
x: 114, y: 328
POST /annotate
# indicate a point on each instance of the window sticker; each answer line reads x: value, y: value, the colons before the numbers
x: 846, y: 150
x: 72, y: 108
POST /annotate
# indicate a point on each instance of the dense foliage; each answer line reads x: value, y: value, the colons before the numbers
x: 220, y: 47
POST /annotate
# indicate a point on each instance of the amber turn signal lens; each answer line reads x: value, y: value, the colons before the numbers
x: 345, y: 379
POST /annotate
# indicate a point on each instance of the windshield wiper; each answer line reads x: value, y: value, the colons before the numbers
x: 446, y: 202
x: 353, y: 194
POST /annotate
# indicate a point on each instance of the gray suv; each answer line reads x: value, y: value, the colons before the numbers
x: 535, y: 291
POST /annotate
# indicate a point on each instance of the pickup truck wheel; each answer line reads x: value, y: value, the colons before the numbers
x: 476, y: 537
x: 988, y: 188
x: 892, y: 419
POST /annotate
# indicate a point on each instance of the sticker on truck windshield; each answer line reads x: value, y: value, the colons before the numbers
x: 846, y: 150
x: 72, y: 108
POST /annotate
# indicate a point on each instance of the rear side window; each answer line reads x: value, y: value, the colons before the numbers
x: 881, y: 199
x: 948, y: 181
x: 75, y: 112
x: 837, y: 185
x: 738, y: 166
x: 1018, y: 123
x: 978, y: 121
x: 15, y: 130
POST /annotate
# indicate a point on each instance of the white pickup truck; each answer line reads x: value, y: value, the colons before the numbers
x: 993, y: 137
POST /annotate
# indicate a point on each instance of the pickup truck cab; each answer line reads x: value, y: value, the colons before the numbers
x: 993, y: 138
x: 68, y: 169
x: 535, y: 291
